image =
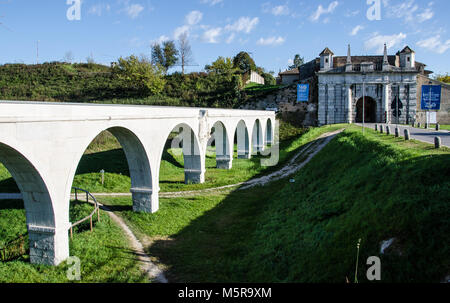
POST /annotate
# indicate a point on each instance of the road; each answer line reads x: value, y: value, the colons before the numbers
x: 420, y: 134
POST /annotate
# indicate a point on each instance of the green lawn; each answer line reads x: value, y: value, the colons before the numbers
x: 374, y: 187
x: 104, y: 254
x: 444, y: 127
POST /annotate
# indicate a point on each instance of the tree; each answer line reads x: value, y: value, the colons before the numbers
x: 221, y: 66
x: 298, y: 61
x: 165, y: 56
x: 442, y: 78
x: 185, y: 51
x: 140, y: 74
x: 244, y: 62
x: 268, y: 79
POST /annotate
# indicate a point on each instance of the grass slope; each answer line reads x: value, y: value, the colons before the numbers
x: 104, y: 254
x: 374, y: 187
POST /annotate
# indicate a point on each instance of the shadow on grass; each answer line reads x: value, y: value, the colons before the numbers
x: 112, y: 161
x: 11, y: 204
x: 117, y: 208
x: 168, y: 157
x: 9, y: 186
x: 259, y: 235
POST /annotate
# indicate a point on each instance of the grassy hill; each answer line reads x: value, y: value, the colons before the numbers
x: 90, y: 82
x: 373, y: 187
x: 58, y: 82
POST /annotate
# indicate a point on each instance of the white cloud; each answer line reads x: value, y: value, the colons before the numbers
x: 426, y: 15
x: 160, y: 40
x: 211, y: 35
x: 231, y: 38
x: 211, y: 2
x: 194, y: 18
x: 98, y: 9
x: 181, y: 30
x: 134, y: 10
x: 244, y: 24
x: 377, y: 41
x: 409, y: 11
x: 272, y: 41
x: 322, y: 11
x: 349, y: 13
x: 280, y: 10
x: 356, y: 30
x: 435, y: 44
x: 191, y: 20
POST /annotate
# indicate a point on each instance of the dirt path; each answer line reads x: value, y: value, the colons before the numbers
x: 147, y: 266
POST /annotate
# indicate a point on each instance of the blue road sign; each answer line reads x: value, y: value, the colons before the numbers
x: 303, y: 93
x: 431, y: 97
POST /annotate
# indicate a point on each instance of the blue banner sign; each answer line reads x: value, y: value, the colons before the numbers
x: 303, y: 93
x: 431, y: 97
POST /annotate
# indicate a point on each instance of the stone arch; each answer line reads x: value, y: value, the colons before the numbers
x: 370, y: 110
x: 138, y: 165
x: 224, y: 156
x: 269, y: 132
x: 40, y: 215
x: 257, y: 137
x: 194, y: 162
x: 243, y: 140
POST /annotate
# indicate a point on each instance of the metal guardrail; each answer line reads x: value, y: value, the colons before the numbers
x: 96, y: 210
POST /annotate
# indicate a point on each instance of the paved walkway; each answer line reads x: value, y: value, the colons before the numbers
x: 420, y: 134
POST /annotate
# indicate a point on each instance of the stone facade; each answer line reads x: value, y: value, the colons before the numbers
x: 387, y: 84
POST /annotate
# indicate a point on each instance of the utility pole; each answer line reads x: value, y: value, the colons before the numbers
x: 428, y: 111
x: 396, y: 105
x: 37, y: 52
x: 364, y: 100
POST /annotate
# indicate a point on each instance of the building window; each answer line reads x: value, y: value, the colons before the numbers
x: 326, y: 60
x: 408, y: 59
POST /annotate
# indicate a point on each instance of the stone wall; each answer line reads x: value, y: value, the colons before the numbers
x: 443, y: 116
x: 285, y: 99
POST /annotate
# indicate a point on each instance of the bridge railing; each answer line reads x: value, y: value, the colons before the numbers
x: 90, y: 217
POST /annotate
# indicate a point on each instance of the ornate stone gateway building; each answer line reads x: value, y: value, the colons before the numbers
x: 389, y: 82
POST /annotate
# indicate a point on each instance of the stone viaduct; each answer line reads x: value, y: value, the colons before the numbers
x: 41, y: 145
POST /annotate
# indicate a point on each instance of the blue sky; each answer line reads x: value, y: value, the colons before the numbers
x: 273, y: 31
